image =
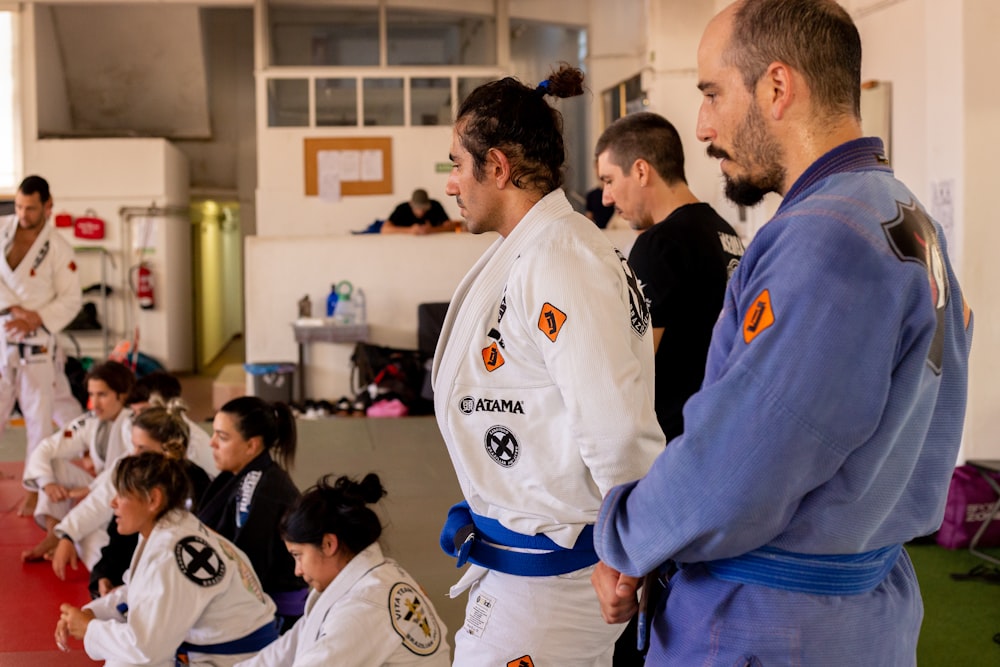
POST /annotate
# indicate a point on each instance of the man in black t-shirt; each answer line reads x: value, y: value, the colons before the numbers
x: 683, y: 259
x: 421, y: 215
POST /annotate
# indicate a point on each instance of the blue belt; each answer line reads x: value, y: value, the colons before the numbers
x: 472, y: 538
x: 251, y: 643
x: 847, y: 574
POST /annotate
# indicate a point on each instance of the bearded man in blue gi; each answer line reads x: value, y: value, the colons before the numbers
x: 828, y: 424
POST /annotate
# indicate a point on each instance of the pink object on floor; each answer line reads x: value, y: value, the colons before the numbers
x: 390, y: 408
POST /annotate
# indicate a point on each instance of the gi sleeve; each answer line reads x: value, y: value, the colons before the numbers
x: 355, y: 633
x: 163, y: 605
x: 93, y: 512
x: 579, y: 306
x: 67, y: 300
x: 71, y: 443
x: 279, y: 653
x: 798, y: 376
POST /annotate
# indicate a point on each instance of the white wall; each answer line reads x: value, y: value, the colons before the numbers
x: 283, y: 209
x: 397, y: 273
x: 981, y: 270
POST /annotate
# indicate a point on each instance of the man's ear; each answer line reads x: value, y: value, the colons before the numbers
x: 498, y: 168
x: 641, y: 169
x: 777, y: 89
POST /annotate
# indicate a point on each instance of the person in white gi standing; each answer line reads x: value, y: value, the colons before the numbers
x: 189, y: 592
x: 39, y: 295
x: 543, y: 386
x: 364, y: 610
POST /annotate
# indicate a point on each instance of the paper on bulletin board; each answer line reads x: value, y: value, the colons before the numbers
x: 331, y: 167
x: 371, y: 165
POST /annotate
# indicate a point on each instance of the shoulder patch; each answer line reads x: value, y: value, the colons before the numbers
x: 412, y: 620
x: 759, y: 317
x: 492, y: 357
x: 523, y: 661
x: 198, y: 561
x: 551, y: 321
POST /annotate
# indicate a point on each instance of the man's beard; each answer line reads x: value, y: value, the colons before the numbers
x: 757, y: 148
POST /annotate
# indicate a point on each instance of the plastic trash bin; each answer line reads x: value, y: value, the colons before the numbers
x: 273, y: 381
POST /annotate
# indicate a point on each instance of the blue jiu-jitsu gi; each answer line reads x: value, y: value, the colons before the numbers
x: 824, y: 437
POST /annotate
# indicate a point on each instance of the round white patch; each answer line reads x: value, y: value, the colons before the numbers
x: 413, y: 620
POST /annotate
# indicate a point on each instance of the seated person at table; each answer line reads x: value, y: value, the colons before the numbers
x: 190, y: 597
x: 421, y: 215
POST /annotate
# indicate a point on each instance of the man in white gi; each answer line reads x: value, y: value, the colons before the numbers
x: 39, y: 295
x: 543, y: 385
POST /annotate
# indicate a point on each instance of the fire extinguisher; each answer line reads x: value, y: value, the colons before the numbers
x: 142, y: 285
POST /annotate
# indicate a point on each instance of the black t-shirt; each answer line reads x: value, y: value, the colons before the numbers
x: 403, y: 215
x: 683, y: 264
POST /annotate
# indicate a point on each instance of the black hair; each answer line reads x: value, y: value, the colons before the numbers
x: 648, y: 136
x: 816, y: 37
x: 518, y: 121
x: 139, y: 474
x: 32, y: 184
x: 272, y: 422
x: 157, y: 383
x: 118, y: 377
x: 339, y: 509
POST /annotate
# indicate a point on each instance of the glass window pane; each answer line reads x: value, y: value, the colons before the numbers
x: 288, y: 103
x: 323, y: 36
x: 336, y: 102
x: 7, y: 177
x: 440, y: 38
x: 383, y: 101
x: 430, y: 101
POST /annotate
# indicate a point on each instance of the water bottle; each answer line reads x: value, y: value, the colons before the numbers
x: 345, y: 308
x: 331, y: 301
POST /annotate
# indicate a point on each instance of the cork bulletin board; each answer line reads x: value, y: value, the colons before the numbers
x: 374, y: 176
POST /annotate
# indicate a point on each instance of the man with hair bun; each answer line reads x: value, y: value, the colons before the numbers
x: 543, y: 386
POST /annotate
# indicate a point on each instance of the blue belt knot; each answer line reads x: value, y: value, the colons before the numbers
x: 479, y: 540
x: 837, y: 574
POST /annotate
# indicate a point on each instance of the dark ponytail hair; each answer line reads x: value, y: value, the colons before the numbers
x: 139, y: 474
x: 518, y: 121
x: 339, y: 509
x: 272, y: 422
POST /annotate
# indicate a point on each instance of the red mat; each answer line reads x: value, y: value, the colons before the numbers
x: 32, y: 594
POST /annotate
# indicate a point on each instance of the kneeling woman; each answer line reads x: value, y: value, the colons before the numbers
x: 188, y: 591
x: 364, y: 609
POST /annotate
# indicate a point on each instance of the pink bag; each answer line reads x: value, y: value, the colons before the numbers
x: 969, y: 501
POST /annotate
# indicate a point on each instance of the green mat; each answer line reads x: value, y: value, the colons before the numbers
x: 960, y: 617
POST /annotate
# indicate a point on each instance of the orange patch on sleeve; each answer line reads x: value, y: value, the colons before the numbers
x: 758, y: 318
x: 523, y: 661
x: 550, y: 321
x: 492, y: 357
x: 72, y: 266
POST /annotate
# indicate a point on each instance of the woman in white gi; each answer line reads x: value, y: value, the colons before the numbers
x: 189, y: 591
x: 89, y: 526
x: 364, y: 609
x: 64, y: 465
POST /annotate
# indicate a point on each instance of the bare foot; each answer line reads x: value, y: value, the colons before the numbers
x: 27, y: 507
x: 42, y: 551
